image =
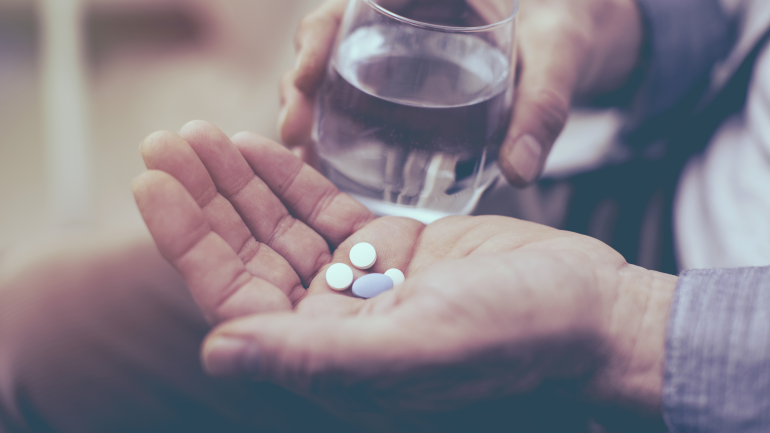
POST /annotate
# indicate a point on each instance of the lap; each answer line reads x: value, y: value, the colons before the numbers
x: 627, y: 206
x: 104, y: 337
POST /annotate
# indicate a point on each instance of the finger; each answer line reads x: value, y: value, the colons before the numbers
x: 314, y: 41
x: 266, y: 217
x: 295, y: 122
x: 170, y: 153
x: 308, y: 155
x: 306, y: 193
x: 215, y: 275
x: 544, y: 94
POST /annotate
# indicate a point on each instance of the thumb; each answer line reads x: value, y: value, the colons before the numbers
x: 544, y: 94
x: 298, y: 350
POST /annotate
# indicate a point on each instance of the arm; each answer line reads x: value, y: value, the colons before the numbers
x: 683, y: 41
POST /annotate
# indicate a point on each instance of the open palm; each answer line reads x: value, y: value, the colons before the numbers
x: 252, y: 230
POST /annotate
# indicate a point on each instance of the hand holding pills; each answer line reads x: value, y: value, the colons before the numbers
x: 491, y: 308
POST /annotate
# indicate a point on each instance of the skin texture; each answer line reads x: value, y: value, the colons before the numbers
x: 491, y: 308
x: 568, y: 50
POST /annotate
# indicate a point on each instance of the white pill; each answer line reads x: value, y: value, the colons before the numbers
x: 339, y: 276
x: 395, y: 275
x: 363, y: 255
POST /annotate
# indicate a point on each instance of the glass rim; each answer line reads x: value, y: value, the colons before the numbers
x: 439, y: 27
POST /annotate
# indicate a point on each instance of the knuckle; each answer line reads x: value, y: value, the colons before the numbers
x: 306, y: 23
x: 551, y: 109
x: 580, y: 39
x: 317, y: 23
x: 305, y: 26
x: 287, y: 79
x: 284, y: 87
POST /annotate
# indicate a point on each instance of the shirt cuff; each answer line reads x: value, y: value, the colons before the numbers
x: 717, y: 372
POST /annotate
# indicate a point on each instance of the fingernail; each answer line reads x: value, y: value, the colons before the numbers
x: 230, y: 356
x: 525, y: 158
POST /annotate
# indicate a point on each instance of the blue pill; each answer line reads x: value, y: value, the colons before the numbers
x: 372, y: 285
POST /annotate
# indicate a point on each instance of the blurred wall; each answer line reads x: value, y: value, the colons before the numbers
x: 147, y: 65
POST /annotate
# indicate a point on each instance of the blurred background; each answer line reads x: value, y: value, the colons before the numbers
x: 83, y: 81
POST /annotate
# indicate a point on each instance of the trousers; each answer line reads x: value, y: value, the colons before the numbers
x: 102, y: 336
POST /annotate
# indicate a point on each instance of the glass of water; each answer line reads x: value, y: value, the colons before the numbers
x: 416, y: 103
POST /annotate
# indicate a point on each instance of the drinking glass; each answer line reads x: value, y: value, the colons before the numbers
x: 416, y: 102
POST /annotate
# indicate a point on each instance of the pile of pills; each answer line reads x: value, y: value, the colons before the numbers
x: 339, y: 276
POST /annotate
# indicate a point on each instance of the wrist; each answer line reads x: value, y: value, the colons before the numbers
x: 632, y: 378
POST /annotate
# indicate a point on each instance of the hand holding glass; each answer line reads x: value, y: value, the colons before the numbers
x: 416, y: 103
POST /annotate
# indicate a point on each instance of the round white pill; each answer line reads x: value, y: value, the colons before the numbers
x: 363, y: 255
x: 339, y: 276
x: 395, y: 275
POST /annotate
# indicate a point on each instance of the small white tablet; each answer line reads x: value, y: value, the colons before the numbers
x: 363, y: 255
x: 339, y: 276
x: 395, y: 275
